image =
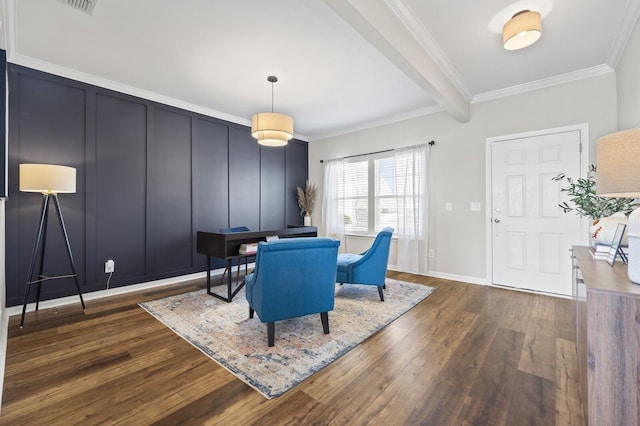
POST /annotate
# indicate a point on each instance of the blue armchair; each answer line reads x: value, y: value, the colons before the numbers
x: 369, y: 267
x: 293, y: 277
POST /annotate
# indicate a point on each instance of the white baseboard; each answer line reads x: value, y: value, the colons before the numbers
x: 485, y: 282
x: 99, y: 294
x: 452, y: 277
x: 4, y: 335
x: 524, y: 290
x: 461, y: 278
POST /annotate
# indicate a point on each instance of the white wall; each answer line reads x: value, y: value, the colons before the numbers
x: 628, y: 76
x: 457, y: 163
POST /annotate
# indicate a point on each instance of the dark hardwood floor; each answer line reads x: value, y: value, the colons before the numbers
x: 467, y: 354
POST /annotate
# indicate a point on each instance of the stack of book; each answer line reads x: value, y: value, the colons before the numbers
x: 601, y: 251
x: 249, y: 248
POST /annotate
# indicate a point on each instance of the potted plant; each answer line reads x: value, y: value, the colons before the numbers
x: 306, y: 201
x: 586, y: 203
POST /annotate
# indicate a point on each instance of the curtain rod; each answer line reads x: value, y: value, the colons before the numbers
x: 432, y: 143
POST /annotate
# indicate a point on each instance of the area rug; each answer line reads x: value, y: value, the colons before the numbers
x: 224, y: 332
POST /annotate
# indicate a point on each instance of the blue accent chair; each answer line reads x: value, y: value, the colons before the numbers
x: 369, y: 267
x: 240, y: 258
x: 293, y: 277
x: 234, y: 229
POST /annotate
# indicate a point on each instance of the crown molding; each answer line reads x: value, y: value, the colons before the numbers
x: 11, y: 39
x: 376, y: 22
x: 631, y: 15
x: 414, y: 26
x: 541, y: 84
x: 380, y: 122
x: 123, y: 88
x: 9, y: 13
x: 130, y: 90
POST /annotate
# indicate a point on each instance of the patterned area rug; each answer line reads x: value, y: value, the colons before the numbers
x: 224, y: 332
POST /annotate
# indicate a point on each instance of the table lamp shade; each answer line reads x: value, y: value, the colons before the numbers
x: 47, y: 178
x: 618, y: 167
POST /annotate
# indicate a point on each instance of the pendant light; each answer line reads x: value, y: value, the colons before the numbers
x: 272, y: 128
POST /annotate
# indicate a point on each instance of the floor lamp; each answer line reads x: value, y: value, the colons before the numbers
x: 50, y: 180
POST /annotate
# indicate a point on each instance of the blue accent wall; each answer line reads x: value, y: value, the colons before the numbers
x: 149, y: 176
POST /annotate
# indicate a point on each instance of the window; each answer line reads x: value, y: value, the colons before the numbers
x: 369, y: 201
x: 364, y: 194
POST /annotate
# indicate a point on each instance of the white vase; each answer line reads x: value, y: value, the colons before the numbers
x: 307, y: 220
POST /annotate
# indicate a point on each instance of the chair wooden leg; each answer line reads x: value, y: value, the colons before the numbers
x: 380, y: 293
x: 251, y: 312
x: 324, y: 317
x: 271, y: 333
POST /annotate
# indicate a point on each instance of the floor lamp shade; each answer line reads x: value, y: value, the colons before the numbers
x: 47, y: 178
x: 618, y: 166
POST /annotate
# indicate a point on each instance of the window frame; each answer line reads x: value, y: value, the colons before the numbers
x: 372, y: 193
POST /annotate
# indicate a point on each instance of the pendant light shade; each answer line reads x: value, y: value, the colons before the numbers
x: 272, y: 128
x: 524, y: 29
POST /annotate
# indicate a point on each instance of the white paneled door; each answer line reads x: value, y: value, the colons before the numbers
x: 531, y: 235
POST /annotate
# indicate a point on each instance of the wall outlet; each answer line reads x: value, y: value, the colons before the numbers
x: 109, y: 266
x: 432, y: 253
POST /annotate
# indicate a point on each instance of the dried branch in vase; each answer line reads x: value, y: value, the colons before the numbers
x: 307, y: 199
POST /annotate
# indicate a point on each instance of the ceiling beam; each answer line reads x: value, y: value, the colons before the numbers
x: 380, y: 26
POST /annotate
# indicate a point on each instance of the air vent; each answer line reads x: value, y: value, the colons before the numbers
x: 85, y: 6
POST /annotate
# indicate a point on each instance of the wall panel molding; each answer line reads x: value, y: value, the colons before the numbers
x: 149, y: 176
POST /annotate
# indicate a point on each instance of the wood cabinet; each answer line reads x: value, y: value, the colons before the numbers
x: 607, y: 320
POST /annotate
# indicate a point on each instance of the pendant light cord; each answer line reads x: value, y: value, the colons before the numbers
x: 272, y: 79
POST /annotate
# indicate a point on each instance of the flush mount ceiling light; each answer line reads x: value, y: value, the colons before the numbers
x: 271, y: 128
x: 522, y: 30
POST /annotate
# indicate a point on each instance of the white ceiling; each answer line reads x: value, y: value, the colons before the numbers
x: 342, y: 64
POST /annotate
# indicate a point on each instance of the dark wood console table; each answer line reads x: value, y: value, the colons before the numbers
x: 607, y: 315
x: 227, y: 246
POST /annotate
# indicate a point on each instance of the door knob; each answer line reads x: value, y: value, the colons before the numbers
x: 496, y: 220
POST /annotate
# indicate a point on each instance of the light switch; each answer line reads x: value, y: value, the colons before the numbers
x: 448, y: 206
x: 476, y: 206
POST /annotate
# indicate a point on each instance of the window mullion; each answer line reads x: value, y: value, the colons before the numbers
x: 372, y: 196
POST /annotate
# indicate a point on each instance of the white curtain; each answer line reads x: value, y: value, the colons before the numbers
x: 412, y: 198
x: 332, y: 211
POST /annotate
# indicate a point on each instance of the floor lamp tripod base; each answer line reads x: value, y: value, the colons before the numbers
x: 39, y: 252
